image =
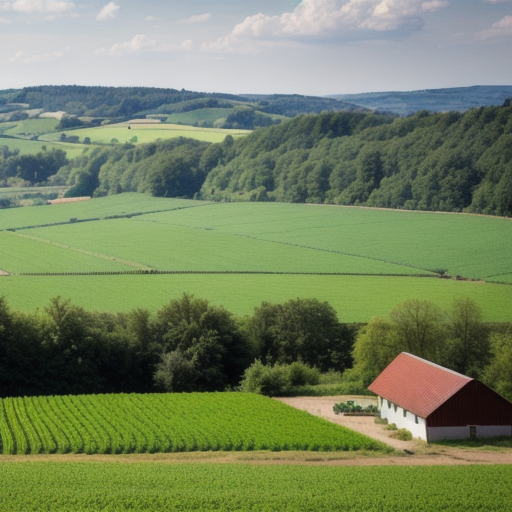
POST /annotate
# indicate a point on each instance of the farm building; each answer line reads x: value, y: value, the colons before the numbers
x: 437, y: 403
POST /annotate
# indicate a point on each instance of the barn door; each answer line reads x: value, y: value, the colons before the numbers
x: 472, y: 431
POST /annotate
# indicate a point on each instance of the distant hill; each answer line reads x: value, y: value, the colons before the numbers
x: 435, y: 100
x: 115, y: 104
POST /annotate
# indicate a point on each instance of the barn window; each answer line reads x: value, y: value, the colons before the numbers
x: 405, y: 413
x: 416, y: 419
x: 389, y: 404
x: 395, y: 407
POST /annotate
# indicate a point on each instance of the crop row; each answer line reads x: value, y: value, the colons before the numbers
x: 62, y: 486
x: 262, y: 272
x: 166, y: 423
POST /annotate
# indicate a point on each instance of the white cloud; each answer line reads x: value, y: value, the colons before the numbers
x: 38, y: 6
x: 333, y: 20
x: 26, y: 58
x: 5, y: 21
x: 198, y: 18
x: 138, y: 43
x: 496, y: 1
x: 108, y: 12
x: 499, y: 30
x: 188, y: 44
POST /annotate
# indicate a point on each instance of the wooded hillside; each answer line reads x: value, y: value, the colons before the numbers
x: 446, y: 162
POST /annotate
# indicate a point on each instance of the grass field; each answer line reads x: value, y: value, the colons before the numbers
x: 170, y: 422
x: 29, y: 127
x: 31, y: 147
x: 209, y: 115
x: 36, y: 191
x: 355, y: 298
x: 466, y: 245
x: 89, y: 486
x: 170, y: 247
x: 285, y: 239
x: 101, y: 207
x: 147, y: 133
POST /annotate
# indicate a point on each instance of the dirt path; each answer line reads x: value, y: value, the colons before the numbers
x: 414, y: 452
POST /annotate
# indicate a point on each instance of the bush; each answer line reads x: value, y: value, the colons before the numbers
x: 391, y: 426
x: 301, y: 374
x: 265, y: 379
x: 402, y: 434
x: 278, y: 380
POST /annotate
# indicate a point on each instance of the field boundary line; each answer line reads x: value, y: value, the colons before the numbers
x: 83, y: 251
x: 435, y: 274
x: 107, y: 217
x: 218, y: 272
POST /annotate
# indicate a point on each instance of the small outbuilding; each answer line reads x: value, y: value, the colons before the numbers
x: 433, y: 402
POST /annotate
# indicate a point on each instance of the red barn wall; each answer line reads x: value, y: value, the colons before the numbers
x: 474, y: 404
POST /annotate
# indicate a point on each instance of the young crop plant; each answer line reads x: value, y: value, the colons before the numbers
x: 167, y: 423
x: 138, y: 487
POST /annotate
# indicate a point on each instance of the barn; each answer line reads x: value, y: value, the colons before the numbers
x: 437, y: 403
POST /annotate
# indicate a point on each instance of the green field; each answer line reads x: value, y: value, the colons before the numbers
x: 146, y: 133
x: 32, y: 191
x: 113, y: 486
x: 259, y: 251
x: 31, y: 147
x: 209, y: 115
x: 175, y: 422
x: 355, y: 298
x: 170, y: 247
x: 101, y: 207
x: 29, y: 127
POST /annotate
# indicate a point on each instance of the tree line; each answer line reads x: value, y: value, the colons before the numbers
x: 458, y: 339
x: 192, y: 345
x: 187, y: 345
x: 29, y: 169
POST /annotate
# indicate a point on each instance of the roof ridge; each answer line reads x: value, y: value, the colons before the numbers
x: 439, y: 366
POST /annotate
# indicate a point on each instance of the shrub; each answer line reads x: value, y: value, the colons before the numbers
x: 278, y: 380
x: 265, y: 379
x: 301, y: 374
x: 403, y: 434
x: 391, y: 426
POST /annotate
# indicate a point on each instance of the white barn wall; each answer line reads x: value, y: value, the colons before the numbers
x: 437, y: 433
x: 387, y: 411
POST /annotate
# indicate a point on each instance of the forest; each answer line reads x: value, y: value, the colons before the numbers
x: 449, y: 162
x: 192, y: 345
x: 445, y: 162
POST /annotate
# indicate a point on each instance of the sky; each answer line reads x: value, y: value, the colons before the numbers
x: 309, y: 47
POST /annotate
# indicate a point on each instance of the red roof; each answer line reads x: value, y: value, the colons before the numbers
x: 417, y: 385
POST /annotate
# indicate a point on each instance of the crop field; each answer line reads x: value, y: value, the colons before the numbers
x: 31, y: 147
x: 29, y: 127
x: 21, y: 191
x: 170, y: 247
x: 467, y: 245
x: 202, y: 114
x: 240, y: 254
x: 89, y: 486
x: 147, y: 133
x: 121, y: 204
x: 355, y: 298
x: 152, y: 423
